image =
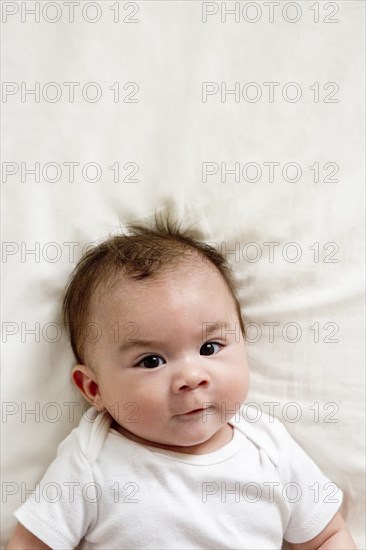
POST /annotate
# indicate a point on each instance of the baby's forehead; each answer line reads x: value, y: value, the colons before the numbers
x: 128, y: 285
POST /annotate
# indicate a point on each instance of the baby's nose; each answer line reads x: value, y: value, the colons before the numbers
x: 190, y: 379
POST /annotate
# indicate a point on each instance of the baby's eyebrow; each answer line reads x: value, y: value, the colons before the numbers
x: 136, y: 342
x: 208, y: 328
x: 212, y: 327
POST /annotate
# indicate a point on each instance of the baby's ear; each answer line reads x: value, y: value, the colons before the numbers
x: 86, y: 382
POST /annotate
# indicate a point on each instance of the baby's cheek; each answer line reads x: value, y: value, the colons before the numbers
x: 130, y: 415
x: 239, y: 385
x: 144, y: 415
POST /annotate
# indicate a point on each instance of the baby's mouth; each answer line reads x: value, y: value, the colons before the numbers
x: 200, y: 410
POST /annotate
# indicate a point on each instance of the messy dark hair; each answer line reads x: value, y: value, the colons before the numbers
x: 143, y: 252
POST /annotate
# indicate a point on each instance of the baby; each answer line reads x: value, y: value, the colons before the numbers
x: 168, y: 456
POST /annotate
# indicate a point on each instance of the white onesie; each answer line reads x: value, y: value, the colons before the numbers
x: 106, y: 491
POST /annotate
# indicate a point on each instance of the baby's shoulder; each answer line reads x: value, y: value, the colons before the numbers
x: 88, y: 437
x: 264, y: 430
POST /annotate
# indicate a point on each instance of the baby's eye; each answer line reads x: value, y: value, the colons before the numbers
x: 151, y: 362
x: 209, y: 348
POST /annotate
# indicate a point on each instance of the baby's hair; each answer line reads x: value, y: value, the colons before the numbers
x: 145, y: 251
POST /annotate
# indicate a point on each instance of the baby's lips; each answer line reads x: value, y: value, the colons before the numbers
x: 199, y: 409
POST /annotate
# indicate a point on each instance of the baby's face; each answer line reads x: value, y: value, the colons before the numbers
x: 162, y: 377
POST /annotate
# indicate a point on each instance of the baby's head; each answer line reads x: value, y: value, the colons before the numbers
x: 156, y: 328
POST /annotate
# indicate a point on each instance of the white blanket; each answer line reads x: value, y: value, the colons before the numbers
x: 156, y: 109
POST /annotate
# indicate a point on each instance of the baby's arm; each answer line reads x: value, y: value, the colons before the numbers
x: 23, y: 539
x: 335, y: 536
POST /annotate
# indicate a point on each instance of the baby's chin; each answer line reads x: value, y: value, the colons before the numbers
x: 191, y: 437
x: 195, y: 443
